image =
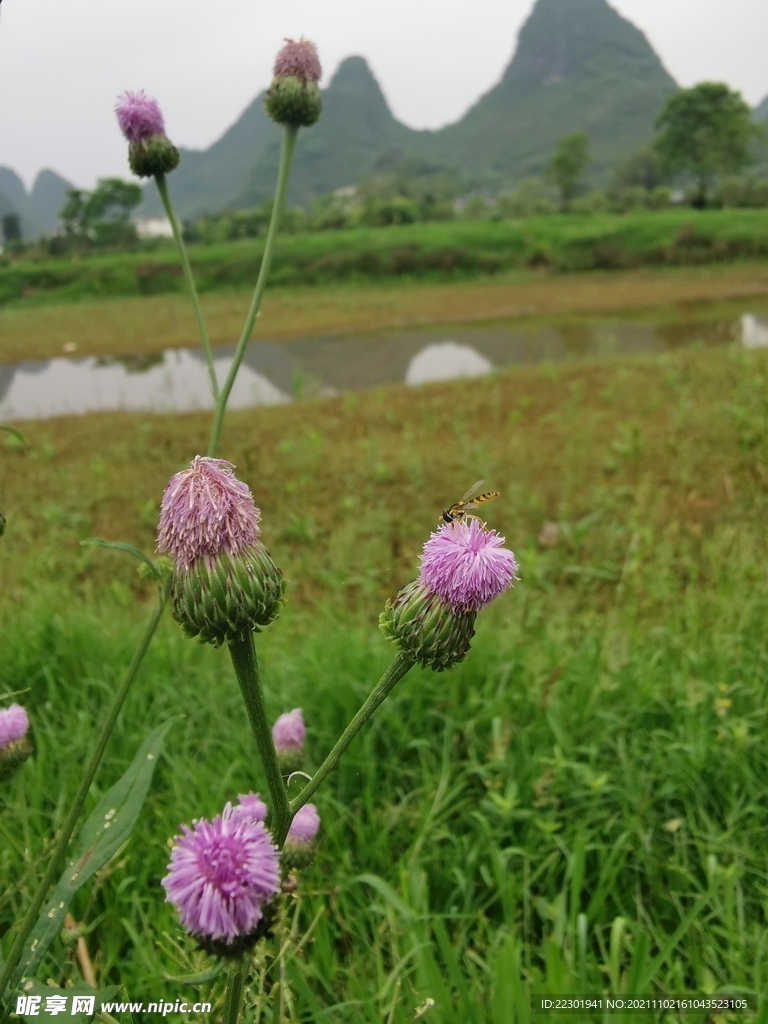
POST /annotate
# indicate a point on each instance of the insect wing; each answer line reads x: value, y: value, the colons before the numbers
x: 472, y: 490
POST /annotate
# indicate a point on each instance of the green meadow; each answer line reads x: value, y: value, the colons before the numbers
x: 454, y: 250
x: 579, y: 807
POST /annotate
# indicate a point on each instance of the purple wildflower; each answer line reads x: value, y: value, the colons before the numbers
x: 139, y: 116
x: 467, y: 565
x: 206, y: 511
x: 250, y: 805
x: 13, y: 724
x: 288, y: 733
x: 304, y: 826
x: 221, y: 874
x: 298, y: 60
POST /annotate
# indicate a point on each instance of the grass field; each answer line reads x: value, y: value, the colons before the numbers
x: 579, y: 807
x: 452, y: 251
x: 119, y: 326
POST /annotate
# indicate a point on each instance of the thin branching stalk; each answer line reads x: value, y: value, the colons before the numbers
x: 60, y: 847
x: 162, y: 188
x: 286, y: 154
x: 399, y: 667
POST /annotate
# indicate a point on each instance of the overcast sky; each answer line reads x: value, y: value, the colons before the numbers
x: 62, y: 64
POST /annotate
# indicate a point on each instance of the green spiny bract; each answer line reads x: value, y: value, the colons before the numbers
x: 224, y: 598
x: 423, y: 626
x: 291, y: 101
x: 153, y: 155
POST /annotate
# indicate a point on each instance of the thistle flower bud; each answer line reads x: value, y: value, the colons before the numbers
x: 299, y: 848
x: 463, y: 567
x: 150, y: 151
x: 288, y: 734
x: 225, y: 584
x: 14, y: 745
x: 293, y: 98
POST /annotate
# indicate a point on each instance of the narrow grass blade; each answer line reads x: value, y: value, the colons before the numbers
x: 15, y: 433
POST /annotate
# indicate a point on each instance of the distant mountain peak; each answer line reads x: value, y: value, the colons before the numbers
x: 560, y: 37
x: 355, y: 90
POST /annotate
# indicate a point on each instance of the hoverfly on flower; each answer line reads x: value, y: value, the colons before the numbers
x: 459, y: 510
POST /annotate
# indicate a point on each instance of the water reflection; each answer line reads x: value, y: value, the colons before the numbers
x: 277, y: 372
x: 446, y: 361
x: 754, y: 331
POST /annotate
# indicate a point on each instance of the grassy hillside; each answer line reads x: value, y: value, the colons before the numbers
x: 579, y: 807
x: 438, y: 251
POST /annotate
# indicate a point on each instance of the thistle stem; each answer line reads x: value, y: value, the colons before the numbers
x: 60, y: 847
x: 399, y: 667
x: 286, y: 153
x: 162, y: 188
x: 235, y: 989
x: 243, y: 654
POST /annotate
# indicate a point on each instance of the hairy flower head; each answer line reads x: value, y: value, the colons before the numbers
x: 298, y: 60
x: 139, y: 116
x: 206, y: 511
x: 13, y: 724
x: 221, y: 875
x: 467, y: 565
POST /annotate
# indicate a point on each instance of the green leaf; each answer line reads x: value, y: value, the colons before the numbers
x: 387, y: 892
x: 37, y: 988
x: 119, y: 545
x: 107, y: 828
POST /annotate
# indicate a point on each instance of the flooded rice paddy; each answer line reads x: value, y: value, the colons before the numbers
x: 275, y: 372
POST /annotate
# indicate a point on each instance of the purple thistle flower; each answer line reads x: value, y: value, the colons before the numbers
x: 467, y: 565
x: 139, y: 116
x: 304, y: 826
x: 206, y: 511
x: 251, y: 806
x: 13, y: 724
x: 298, y: 60
x: 221, y: 874
x: 288, y: 733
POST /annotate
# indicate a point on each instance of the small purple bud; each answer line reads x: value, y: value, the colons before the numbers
x: 288, y: 733
x: 299, y: 849
x: 251, y: 805
x: 13, y: 724
x: 139, y: 116
x: 304, y: 826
